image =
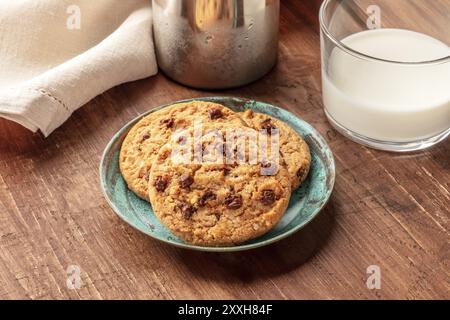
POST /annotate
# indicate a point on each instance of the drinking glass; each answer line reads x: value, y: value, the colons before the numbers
x: 386, y: 71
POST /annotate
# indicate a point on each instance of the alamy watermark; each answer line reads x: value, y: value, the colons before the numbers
x: 73, y: 280
x: 374, y: 19
x: 232, y: 146
x: 374, y: 279
x: 74, y: 19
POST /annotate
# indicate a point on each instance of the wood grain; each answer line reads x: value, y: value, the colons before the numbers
x: 387, y: 210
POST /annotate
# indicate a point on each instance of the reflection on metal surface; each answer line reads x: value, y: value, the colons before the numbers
x: 216, y: 43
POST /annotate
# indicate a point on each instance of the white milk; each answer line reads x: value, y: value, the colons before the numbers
x: 387, y: 101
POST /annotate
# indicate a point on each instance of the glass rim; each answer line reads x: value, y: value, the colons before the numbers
x: 347, y: 49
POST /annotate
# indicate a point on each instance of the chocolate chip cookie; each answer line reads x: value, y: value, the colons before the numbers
x: 148, y: 135
x: 293, y: 148
x: 212, y: 192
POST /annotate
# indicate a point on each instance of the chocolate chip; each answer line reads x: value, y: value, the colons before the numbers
x: 215, y: 113
x: 232, y: 164
x: 268, y: 197
x: 224, y: 150
x: 145, y: 137
x: 301, y: 172
x: 208, y: 195
x: 186, y: 210
x: 204, y: 145
x: 186, y: 181
x: 226, y: 171
x: 168, y: 122
x: 160, y: 184
x: 269, y: 168
x: 266, y: 164
x: 233, y: 201
x: 268, y: 126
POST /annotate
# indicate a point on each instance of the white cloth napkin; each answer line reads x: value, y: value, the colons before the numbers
x: 56, y: 55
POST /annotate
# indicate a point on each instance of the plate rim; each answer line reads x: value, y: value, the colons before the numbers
x: 127, y: 126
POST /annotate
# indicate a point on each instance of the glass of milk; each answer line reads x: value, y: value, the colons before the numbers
x: 386, y: 71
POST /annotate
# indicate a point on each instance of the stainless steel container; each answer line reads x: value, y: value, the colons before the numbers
x: 216, y: 44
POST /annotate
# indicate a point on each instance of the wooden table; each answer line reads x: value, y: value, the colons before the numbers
x: 387, y: 210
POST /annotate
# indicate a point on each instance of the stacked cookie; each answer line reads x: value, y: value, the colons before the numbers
x: 202, y: 168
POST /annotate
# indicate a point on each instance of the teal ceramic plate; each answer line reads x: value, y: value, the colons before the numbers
x: 306, y: 202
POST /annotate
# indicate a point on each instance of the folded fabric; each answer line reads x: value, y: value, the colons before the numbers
x: 57, y: 55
